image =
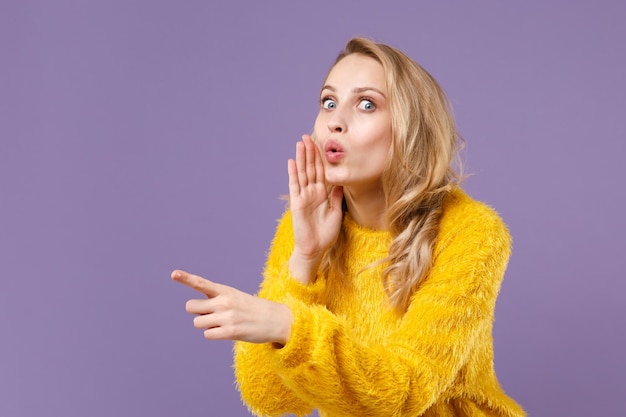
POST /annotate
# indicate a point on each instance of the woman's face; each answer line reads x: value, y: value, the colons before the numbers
x: 353, y: 126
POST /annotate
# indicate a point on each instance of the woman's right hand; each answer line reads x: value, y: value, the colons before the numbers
x: 316, y: 215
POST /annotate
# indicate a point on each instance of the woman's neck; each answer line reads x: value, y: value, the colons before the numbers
x: 366, y: 207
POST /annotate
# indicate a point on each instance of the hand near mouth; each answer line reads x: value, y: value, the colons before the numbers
x: 316, y: 214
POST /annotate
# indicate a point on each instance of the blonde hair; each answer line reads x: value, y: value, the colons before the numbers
x: 419, y: 173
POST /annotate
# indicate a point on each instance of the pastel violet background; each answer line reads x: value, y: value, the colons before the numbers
x: 141, y: 136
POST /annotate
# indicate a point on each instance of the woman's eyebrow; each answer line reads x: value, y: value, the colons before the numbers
x: 364, y: 89
x: 357, y: 90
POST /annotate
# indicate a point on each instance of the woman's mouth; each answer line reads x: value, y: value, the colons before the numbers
x: 334, y: 151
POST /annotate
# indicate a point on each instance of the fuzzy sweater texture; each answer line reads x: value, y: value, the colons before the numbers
x: 350, y: 354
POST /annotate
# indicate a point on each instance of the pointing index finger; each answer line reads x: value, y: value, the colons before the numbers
x: 196, y: 282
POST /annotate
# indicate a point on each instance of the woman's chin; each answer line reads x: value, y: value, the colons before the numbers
x: 332, y: 180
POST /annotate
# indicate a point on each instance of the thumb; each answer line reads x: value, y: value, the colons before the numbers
x: 336, y: 197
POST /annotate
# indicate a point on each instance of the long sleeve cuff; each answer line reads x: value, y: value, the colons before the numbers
x: 284, y: 286
x: 302, y: 338
x: 307, y: 293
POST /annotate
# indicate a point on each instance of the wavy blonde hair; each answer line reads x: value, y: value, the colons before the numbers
x: 419, y: 172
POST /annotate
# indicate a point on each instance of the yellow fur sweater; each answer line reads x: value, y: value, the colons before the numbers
x: 349, y: 354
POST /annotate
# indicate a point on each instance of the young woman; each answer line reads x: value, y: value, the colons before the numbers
x: 380, y: 286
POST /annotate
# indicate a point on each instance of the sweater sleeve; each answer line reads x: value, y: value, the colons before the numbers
x: 261, y: 387
x: 325, y: 364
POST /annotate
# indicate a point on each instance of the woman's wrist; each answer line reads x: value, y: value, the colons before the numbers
x: 283, y: 328
x: 302, y: 267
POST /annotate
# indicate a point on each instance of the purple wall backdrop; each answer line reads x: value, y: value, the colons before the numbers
x: 141, y: 136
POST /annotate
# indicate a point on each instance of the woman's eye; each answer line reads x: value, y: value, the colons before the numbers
x: 329, y: 104
x: 367, y: 105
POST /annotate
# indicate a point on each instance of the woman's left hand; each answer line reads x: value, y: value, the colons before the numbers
x: 230, y: 314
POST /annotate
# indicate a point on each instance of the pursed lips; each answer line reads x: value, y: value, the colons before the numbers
x: 333, y: 146
x: 334, y: 151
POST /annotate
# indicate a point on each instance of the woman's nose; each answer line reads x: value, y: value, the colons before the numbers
x: 336, y: 124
